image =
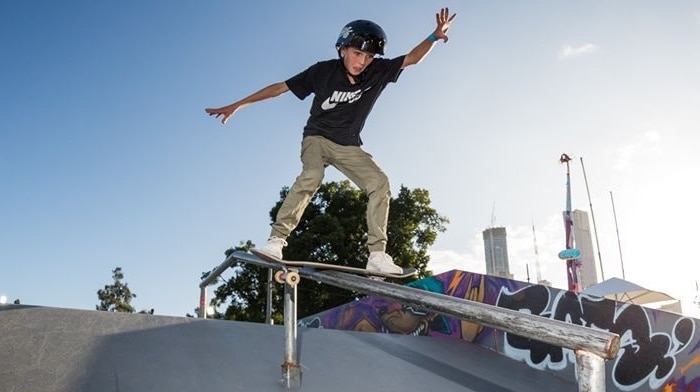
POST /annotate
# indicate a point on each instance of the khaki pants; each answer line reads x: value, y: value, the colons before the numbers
x: 318, y: 152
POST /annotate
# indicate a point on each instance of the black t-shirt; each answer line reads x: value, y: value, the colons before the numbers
x: 339, y: 109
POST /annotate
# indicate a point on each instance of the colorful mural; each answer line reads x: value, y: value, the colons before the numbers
x: 659, y: 351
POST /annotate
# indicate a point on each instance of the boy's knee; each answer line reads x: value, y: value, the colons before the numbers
x: 310, y: 179
x: 379, y: 185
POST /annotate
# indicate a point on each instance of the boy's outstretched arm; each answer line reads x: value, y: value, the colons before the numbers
x: 418, y: 53
x: 270, y: 91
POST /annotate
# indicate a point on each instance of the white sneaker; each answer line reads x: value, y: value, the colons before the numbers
x: 382, y: 262
x: 273, y: 247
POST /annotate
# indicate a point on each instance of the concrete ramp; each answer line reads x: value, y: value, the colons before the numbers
x: 61, y: 350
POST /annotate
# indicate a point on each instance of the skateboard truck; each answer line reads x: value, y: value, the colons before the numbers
x: 287, y: 276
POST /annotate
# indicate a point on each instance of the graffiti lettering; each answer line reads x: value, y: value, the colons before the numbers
x: 645, y: 356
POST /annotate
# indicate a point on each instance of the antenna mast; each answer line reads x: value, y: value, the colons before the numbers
x: 617, y: 231
x: 595, y: 230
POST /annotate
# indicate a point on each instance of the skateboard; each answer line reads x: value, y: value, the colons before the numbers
x: 282, y: 276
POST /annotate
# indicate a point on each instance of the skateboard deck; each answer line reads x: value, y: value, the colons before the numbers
x: 407, y: 272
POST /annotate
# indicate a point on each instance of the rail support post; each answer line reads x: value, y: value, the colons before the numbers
x: 291, y: 371
x: 268, y: 299
x: 591, y: 372
x: 203, y: 302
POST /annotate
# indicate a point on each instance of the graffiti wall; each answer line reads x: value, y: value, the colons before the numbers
x: 660, y: 351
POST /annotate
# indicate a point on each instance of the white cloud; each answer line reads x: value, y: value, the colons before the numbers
x: 646, y: 144
x: 447, y: 260
x: 472, y: 260
x: 568, y: 51
x: 652, y: 136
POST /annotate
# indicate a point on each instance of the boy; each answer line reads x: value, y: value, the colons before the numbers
x: 345, y: 90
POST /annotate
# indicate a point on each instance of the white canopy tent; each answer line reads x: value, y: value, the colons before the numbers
x: 624, y: 291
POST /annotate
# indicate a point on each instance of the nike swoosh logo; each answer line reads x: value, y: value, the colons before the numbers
x: 327, y: 104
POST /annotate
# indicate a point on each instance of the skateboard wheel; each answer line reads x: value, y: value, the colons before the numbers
x: 292, y: 278
x: 279, y: 276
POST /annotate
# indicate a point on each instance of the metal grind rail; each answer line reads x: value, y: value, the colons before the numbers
x: 591, y: 346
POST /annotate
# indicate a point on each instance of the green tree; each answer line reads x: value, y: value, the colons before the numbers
x: 333, y: 230
x: 116, y: 297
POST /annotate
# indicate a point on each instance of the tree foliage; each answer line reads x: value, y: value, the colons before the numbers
x: 333, y: 230
x: 116, y: 297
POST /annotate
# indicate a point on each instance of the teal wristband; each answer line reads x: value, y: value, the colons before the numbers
x: 432, y: 37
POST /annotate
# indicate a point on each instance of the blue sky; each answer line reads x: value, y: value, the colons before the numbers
x: 108, y: 159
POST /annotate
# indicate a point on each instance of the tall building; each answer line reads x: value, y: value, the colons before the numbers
x: 583, y: 242
x: 496, y: 252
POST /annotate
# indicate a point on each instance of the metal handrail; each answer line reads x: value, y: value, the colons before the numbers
x: 592, y: 346
x: 555, y: 332
x: 230, y: 260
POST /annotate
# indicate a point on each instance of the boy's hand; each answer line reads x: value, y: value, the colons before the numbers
x: 443, y: 20
x: 224, y: 112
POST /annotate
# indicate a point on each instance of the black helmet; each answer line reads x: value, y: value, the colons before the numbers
x: 364, y: 35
